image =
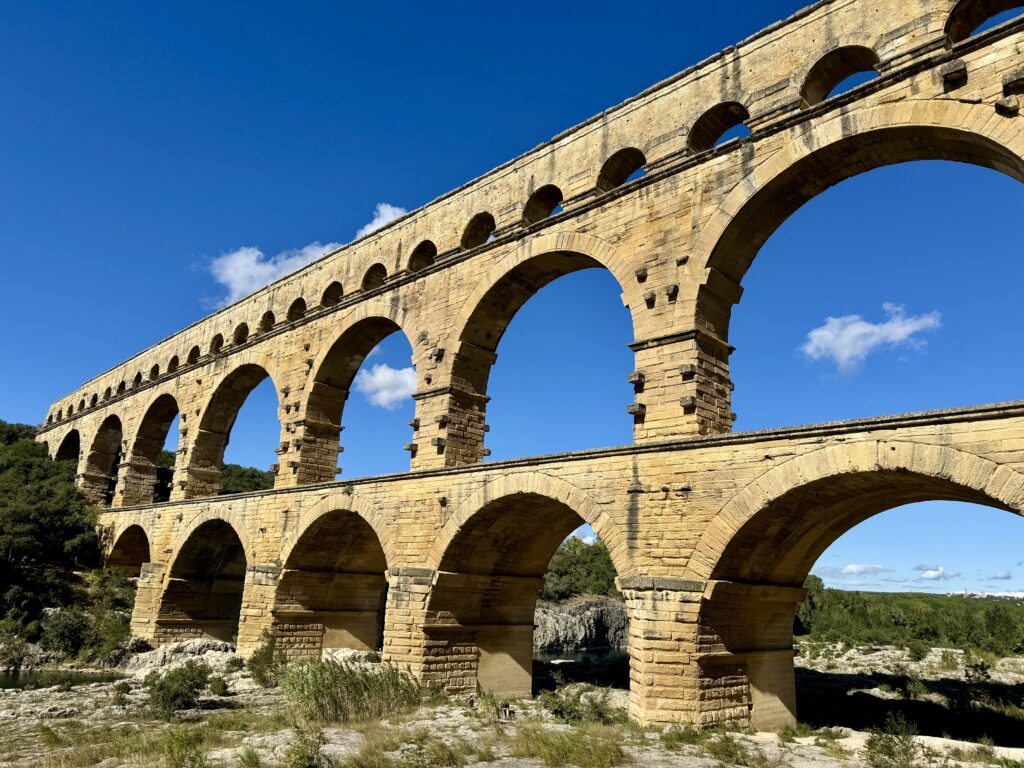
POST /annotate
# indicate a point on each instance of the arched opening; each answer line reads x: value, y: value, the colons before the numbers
x: 543, y: 203
x: 837, y: 71
x: 241, y: 334
x: 217, y: 344
x: 297, y: 310
x: 154, y: 373
x: 137, y: 381
x: 149, y: 478
x: 100, y: 476
x: 374, y: 277
x: 969, y: 17
x: 70, y: 447
x: 483, y: 603
x: 94, y: 400
x: 107, y: 393
x: 479, y: 230
x: 625, y: 165
x: 422, y: 256
x: 130, y: 552
x: 376, y: 398
x: 267, y: 321
x: 220, y: 421
x: 548, y: 388
x: 747, y: 616
x: 172, y: 364
x: 718, y: 125
x: 193, y: 355
x: 332, y: 590
x: 333, y: 293
x: 121, y: 388
x: 845, y: 335
x: 81, y: 404
x: 203, y: 597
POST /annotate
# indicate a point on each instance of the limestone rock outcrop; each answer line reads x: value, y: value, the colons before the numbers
x: 580, y: 624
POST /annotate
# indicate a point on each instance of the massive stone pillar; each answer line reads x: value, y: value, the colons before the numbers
x: 148, y: 593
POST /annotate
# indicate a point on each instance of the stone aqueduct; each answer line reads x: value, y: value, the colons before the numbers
x: 712, y: 533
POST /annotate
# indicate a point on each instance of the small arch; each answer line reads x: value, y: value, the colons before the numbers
x: 714, y: 124
x: 121, y: 388
x: 423, y: 256
x: 267, y: 321
x: 130, y: 551
x: 81, y: 404
x: 137, y: 381
x: 542, y: 204
x: 479, y: 230
x: 205, y: 585
x: 618, y: 168
x: 172, y: 364
x: 297, y: 310
x: 70, y: 447
x: 968, y: 15
x: 94, y: 400
x: 333, y: 294
x: 49, y: 419
x: 217, y: 344
x: 71, y: 410
x: 834, y: 68
x: 154, y: 373
x: 60, y: 415
x: 193, y: 355
x: 107, y: 393
x: 241, y: 334
x: 375, y: 277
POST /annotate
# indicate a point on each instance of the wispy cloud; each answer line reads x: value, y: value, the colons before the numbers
x: 859, y: 569
x: 385, y: 386
x: 383, y: 214
x: 1001, y: 576
x: 848, y: 340
x: 248, y: 269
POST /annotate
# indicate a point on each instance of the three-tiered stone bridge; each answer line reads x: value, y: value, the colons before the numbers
x: 712, y: 532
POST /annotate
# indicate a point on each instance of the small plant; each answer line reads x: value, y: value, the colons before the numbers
x: 234, y: 664
x: 680, y: 737
x: 791, y: 733
x: 218, y: 686
x: 329, y: 691
x: 177, y: 689
x: 373, y: 657
x: 119, y: 693
x: 918, y: 650
x: 977, y: 668
x: 894, y: 746
x: 248, y: 758
x: 265, y: 663
x: 307, y: 750
x: 581, y: 703
x: 589, y: 745
x: 181, y: 749
x: 948, y: 661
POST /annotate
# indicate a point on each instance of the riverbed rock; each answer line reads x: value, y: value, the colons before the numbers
x: 213, y: 652
x: 581, y: 623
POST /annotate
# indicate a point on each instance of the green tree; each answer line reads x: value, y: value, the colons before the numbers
x: 47, y: 531
x: 237, y: 479
x: 578, y: 568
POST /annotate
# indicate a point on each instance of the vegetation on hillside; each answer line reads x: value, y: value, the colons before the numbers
x: 577, y: 569
x: 234, y: 477
x: 946, y: 621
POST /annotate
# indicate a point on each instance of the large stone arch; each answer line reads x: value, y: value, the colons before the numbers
x: 101, y: 460
x: 210, y: 430
x: 817, y: 156
x: 332, y: 372
x: 205, y: 583
x: 139, y: 478
x: 131, y: 548
x: 333, y: 586
x: 489, y: 561
x: 488, y: 311
x: 69, y: 447
x: 755, y: 554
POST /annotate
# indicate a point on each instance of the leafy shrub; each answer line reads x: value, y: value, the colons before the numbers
x: 948, y: 661
x: 65, y: 631
x: 265, y: 662
x: 12, y: 646
x: 579, y: 569
x: 234, y: 664
x: 894, y: 746
x: 581, y: 703
x: 177, y: 689
x: 918, y: 650
x: 977, y: 669
x: 119, y: 693
x: 218, y: 686
x: 182, y: 749
x: 335, y: 692
x: 307, y: 750
x: 679, y: 737
x: 590, y: 745
x: 249, y: 758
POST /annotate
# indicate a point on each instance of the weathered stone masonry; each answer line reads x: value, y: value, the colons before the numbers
x: 712, y: 533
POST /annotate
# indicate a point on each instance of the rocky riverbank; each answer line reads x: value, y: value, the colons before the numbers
x: 583, y: 623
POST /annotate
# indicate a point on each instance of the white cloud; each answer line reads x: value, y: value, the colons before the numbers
x: 923, y: 567
x: 248, y: 269
x: 1001, y: 576
x: 848, y: 340
x: 938, y: 574
x: 386, y: 386
x: 383, y: 214
x: 858, y: 569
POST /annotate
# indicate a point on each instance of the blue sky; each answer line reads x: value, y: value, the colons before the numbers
x: 142, y: 144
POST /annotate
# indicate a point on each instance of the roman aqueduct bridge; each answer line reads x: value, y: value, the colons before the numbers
x: 712, y: 532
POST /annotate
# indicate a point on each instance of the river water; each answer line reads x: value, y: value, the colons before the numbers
x: 51, y: 677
